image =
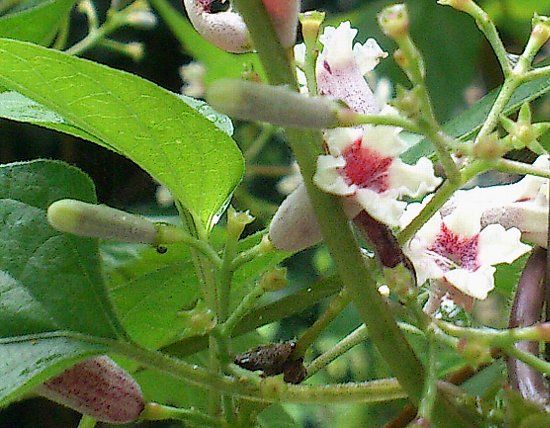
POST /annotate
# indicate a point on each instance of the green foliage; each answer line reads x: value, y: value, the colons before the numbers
x: 179, y: 147
x: 49, y: 282
x: 37, y: 24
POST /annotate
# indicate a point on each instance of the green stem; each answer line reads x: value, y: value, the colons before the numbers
x: 241, y: 310
x: 536, y: 73
x: 62, y: 34
x: 429, y: 124
x: 87, y: 422
x: 529, y: 359
x: 259, y: 143
x: 226, y: 277
x: 248, y: 255
x: 336, y: 305
x: 488, y: 28
x: 159, y: 412
x: 337, y: 234
x: 511, y: 83
x: 513, y: 167
x: 357, y: 336
x: 427, y: 403
x: 498, y: 338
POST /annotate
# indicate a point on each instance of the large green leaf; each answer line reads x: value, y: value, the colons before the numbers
x: 151, y: 290
x: 178, y: 146
x: 49, y: 281
x: 218, y: 63
x: 38, y: 24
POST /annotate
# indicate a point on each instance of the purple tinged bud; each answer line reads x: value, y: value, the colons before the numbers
x: 99, y: 388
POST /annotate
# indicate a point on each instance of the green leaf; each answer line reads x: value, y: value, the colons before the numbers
x: 38, y: 24
x: 16, y: 107
x: 218, y: 63
x: 466, y: 124
x: 49, y: 281
x: 275, y: 416
x: 179, y: 147
x: 149, y: 290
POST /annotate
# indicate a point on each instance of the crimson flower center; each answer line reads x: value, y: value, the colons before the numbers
x: 366, y: 168
x: 455, y: 249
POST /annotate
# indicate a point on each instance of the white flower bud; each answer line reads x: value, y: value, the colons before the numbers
x: 100, y: 221
x: 99, y: 388
x: 274, y: 104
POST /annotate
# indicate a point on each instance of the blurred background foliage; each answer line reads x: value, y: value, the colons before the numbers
x: 460, y: 69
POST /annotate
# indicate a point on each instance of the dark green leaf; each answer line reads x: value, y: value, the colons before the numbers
x: 198, y: 162
x: 38, y: 24
x: 49, y: 281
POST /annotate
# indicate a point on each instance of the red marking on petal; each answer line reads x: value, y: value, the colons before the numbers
x: 366, y: 168
x: 524, y: 199
x: 326, y: 66
x: 462, y: 251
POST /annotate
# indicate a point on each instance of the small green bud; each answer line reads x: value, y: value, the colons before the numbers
x: 541, y: 30
x: 274, y: 104
x: 467, y: 6
x: 407, y: 102
x: 200, y: 320
x: 394, y: 21
x: 489, y: 148
x: 274, y: 280
x: 311, y: 23
x: 237, y: 221
x: 100, y: 221
x: 476, y: 352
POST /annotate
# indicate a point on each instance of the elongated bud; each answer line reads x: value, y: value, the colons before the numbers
x: 100, y: 221
x: 274, y: 279
x: 294, y: 226
x: 99, y: 388
x: 284, y: 15
x: 274, y: 104
x: 541, y: 30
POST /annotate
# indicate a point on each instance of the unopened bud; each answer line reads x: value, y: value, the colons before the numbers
x: 226, y: 30
x: 294, y: 226
x: 311, y: 24
x: 274, y: 104
x: 284, y: 16
x: 199, y: 321
x: 99, y: 388
x: 489, y: 148
x: 134, y: 50
x: 407, y: 101
x: 541, y: 30
x: 103, y: 222
x: 274, y: 280
x: 237, y: 221
x: 476, y: 352
x: 394, y: 21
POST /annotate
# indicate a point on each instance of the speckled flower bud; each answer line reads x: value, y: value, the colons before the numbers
x: 99, y: 388
x: 228, y: 31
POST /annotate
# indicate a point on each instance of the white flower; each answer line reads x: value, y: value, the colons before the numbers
x: 364, y: 162
x: 341, y: 68
x: 455, y: 250
x: 523, y: 205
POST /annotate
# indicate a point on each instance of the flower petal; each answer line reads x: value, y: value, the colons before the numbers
x: 476, y: 284
x: 498, y: 245
x: 339, y: 139
x: 383, y: 207
x: 368, y: 55
x: 464, y: 221
x: 329, y: 179
x: 413, y: 180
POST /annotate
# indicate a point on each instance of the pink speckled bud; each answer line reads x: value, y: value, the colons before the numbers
x: 99, y: 388
x: 284, y: 14
x: 228, y: 31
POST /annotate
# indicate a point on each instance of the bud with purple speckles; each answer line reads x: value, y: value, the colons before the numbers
x: 99, y: 388
x: 227, y: 30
